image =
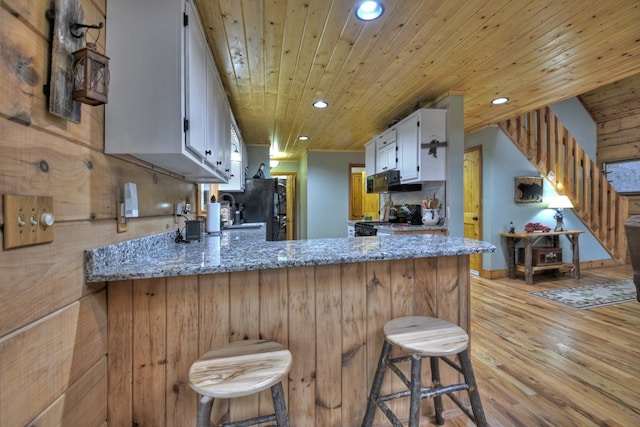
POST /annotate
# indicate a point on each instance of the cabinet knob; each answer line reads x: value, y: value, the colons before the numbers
x: 475, y: 218
x: 207, y: 152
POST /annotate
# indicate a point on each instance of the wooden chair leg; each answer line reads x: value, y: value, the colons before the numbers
x: 375, y: 386
x: 204, y: 412
x: 435, y: 382
x: 279, y: 406
x: 414, y: 402
x: 474, y: 395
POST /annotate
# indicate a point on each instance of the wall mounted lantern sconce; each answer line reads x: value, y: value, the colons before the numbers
x: 78, y: 72
x: 90, y: 70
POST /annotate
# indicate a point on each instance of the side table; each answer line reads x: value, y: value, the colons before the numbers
x: 529, y: 240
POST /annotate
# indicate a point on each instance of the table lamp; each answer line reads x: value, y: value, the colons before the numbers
x: 559, y: 203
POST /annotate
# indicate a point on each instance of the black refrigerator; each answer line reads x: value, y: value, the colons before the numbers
x: 264, y: 200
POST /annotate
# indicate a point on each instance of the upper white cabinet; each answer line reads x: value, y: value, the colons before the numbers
x: 238, y: 165
x: 416, y: 146
x: 421, y: 139
x: 370, y: 157
x: 166, y: 104
x: 386, y: 155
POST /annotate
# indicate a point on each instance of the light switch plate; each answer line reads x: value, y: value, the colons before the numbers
x: 28, y: 220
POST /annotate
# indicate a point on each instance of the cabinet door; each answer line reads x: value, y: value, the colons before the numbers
x: 196, y: 84
x: 370, y: 157
x: 408, y: 149
x: 236, y: 180
x: 386, y: 156
x: 223, y: 162
x: 212, y: 148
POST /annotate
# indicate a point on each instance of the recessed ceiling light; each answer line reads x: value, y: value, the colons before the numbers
x: 499, y: 101
x: 369, y: 10
x: 320, y: 104
x: 303, y: 138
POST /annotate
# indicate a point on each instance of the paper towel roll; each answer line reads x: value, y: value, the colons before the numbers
x: 213, y: 217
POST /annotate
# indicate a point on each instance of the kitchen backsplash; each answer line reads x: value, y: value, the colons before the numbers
x: 415, y: 197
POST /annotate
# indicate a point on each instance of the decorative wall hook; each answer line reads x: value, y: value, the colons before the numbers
x: 74, y: 28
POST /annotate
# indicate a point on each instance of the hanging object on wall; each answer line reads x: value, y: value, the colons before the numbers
x: 90, y: 76
x: 78, y: 73
x: 528, y: 189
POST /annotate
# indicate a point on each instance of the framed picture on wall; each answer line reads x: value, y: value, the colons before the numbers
x: 528, y: 189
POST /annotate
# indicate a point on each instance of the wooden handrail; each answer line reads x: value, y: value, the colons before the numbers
x: 556, y: 154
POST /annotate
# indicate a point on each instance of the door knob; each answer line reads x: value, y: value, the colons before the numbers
x: 475, y: 218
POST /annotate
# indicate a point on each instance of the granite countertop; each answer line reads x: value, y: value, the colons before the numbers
x: 240, y: 250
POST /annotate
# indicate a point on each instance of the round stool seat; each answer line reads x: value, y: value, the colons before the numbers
x: 426, y: 336
x: 240, y: 369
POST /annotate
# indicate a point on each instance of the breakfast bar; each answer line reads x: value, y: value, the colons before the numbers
x: 326, y: 300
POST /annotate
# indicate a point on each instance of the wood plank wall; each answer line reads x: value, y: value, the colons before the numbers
x: 53, y: 327
x: 330, y: 317
x: 619, y: 139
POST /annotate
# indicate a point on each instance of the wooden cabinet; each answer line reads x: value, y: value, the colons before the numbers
x: 421, y: 140
x: 158, y: 327
x: 166, y: 103
x: 386, y: 154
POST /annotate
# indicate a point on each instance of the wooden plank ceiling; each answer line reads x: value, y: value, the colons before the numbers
x: 276, y: 57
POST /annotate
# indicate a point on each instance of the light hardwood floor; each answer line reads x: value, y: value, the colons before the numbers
x: 540, y: 363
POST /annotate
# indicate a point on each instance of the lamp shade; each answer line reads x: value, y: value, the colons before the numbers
x: 560, y: 202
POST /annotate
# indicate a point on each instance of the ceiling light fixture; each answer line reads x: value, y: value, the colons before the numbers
x: 369, y: 10
x: 320, y: 104
x: 303, y: 137
x: 500, y: 101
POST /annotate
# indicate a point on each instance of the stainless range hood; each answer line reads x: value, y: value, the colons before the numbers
x: 388, y: 182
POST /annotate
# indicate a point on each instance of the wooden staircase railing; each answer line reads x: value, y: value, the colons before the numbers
x: 558, y: 157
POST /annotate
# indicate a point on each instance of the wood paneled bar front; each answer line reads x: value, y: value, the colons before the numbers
x: 328, y: 312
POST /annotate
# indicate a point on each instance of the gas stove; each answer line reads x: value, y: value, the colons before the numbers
x: 367, y: 228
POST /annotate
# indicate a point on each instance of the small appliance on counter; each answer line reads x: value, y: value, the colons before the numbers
x: 406, y: 214
x: 193, y: 230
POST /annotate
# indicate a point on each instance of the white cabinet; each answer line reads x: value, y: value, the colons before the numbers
x: 162, y: 88
x: 370, y: 157
x: 237, y: 176
x: 421, y: 139
x: 408, y: 148
x: 386, y: 155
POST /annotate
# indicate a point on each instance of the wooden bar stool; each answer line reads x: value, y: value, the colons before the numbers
x: 240, y: 369
x: 424, y: 337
